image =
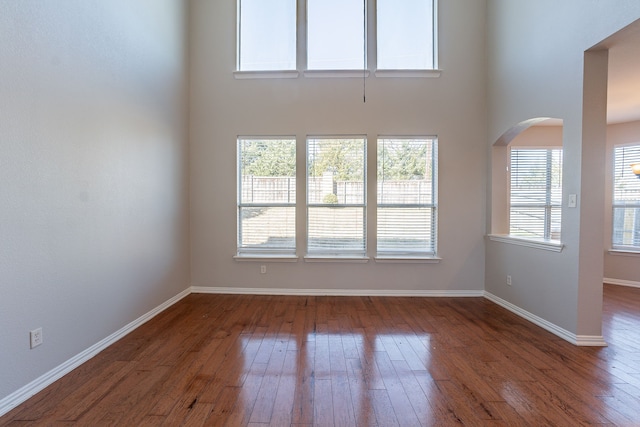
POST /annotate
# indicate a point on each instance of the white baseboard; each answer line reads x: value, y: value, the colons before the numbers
x: 39, y: 384
x: 336, y: 292
x: 620, y: 282
x: 579, y: 340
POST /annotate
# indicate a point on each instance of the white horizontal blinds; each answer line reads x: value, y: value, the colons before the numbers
x: 407, y: 171
x: 335, y: 34
x: 336, y: 201
x: 266, y: 195
x: 266, y: 35
x: 626, y: 198
x: 405, y: 34
x: 536, y: 193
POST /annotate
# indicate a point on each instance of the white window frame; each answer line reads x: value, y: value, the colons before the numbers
x: 430, y: 250
x: 370, y: 52
x: 381, y: 69
x: 548, y: 205
x: 268, y: 72
x: 335, y: 252
x: 256, y: 251
x: 623, y: 175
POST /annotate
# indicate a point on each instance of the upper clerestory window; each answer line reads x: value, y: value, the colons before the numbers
x: 335, y: 37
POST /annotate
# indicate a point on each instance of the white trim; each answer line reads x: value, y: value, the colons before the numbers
x: 551, y: 245
x: 265, y: 258
x: 336, y: 292
x: 323, y: 74
x: 624, y: 252
x: 579, y: 340
x: 277, y: 74
x: 407, y: 260
x: 408, y: 73
x: 620, y: 282
x: 21, y: 395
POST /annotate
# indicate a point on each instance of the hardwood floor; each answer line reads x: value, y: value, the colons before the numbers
x: 225, y: 360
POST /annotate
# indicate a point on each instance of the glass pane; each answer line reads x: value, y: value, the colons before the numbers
x: 336, y: 171
x: 336, y: 230
x: 536, y: 193
x: 405, y: 34
x: 405, y: 171
x: 335, y: 35
x: 528, y: 222
x: 267, y: 35
x: 267, y: 229
x: 406, y: 230
x: 406, y: 179
x: 267, y: 169
x: 626, y: 227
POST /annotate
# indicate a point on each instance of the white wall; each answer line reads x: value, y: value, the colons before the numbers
x: 536, y: 69
x: 621, y: 267
x: 452, y: 107
x: 93, y: 173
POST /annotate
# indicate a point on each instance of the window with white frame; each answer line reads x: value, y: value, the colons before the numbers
x: 626, y: 198
x: 266, y: 36
x: 266, y: 196
x: 336, y: 34
x: 536, y: 193
x: 407, y: 196
x: 336, y: 196
x: 406, y: 34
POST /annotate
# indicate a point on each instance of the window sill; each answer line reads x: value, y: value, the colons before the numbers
x: 407, y: 260
x: 263, y: 258
x: 323, y: 74
x: 276, y: 74
x: 551, y: 245
x: 334, y: 258
x: 408, y: 73
x: 632, y: 252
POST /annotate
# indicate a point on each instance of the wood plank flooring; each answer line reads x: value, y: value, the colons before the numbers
x: 223, y: 360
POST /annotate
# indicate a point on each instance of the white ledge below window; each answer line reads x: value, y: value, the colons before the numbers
x: 276, y: 74
x: 625, y: 251
x: 546, y: 245
x: 334, y: 258
x: 407, y: 259
x: 408, y: 73
x: 265, y: 258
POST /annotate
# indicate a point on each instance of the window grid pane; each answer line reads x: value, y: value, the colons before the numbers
x: 336, y: 35
x: 536, y: 193
x: 626, y: 199
x: 405, y: 34
x: 266, y: 195
x: 336, y: 196
x: 266, y: 35
x: 407, y: 171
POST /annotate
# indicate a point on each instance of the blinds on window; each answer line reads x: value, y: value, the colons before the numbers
x: 536, y: 193
x: 336, y: 196
x: 626, y: 198
x: 407, y: 194
x: 266, y: 196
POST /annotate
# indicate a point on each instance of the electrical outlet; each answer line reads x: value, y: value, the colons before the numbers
x: 509, y: 280
x: 35, y: 337
x: 263, y: 269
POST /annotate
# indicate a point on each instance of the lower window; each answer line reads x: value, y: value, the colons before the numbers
x: 407, y: 195
x: 266, y: 196
x: 536, y: 193
x: 626, y: 198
